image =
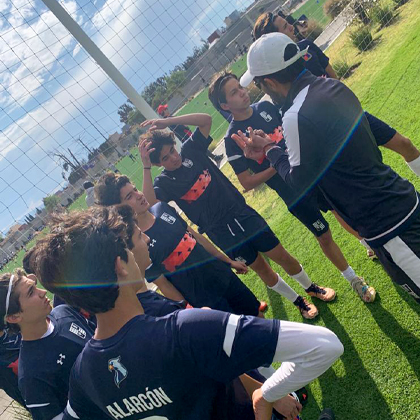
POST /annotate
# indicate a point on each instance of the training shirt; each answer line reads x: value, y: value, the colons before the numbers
x: 170, y: 367
x: 177, y: 255
x: 45, y: 364
x: 181, y: 131
x: 315, y: 60
x: 9, y: 355
x: 266, y: 117
x: 329, y: 144
x: 199, y: 188
x: 155, y: 304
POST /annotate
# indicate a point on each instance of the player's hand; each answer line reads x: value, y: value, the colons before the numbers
x: 252, y: 146
x: 239, y: 267
x: 157, y: 124
x: 288, y: 407
x: 145, y: 150
x: 262, y: 408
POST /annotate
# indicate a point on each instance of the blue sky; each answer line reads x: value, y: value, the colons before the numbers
x: 43, y: 71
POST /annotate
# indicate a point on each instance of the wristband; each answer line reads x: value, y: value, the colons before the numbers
x: 149, y: 167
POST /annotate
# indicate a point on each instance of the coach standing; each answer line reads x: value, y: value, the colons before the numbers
x: 329, y: 144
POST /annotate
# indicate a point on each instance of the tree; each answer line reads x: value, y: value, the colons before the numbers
x: 1, y: 237
x: 51, y: 202
x: 175, y: 82
x: 135, y: 117
x: 124, y: 111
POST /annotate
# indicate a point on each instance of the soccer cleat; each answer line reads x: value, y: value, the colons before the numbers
x: 308, y: 310
x: 263, y: 307
x: 366, y: 293
x: 324, y: 293
x: 327, y: 414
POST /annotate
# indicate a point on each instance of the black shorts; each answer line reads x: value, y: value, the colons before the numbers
x: 382, y: 132
x: 307, y: 212
x: 243, y: 235
x: 400, y: 258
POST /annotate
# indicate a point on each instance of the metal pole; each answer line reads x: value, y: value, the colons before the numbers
x: 101, y: 59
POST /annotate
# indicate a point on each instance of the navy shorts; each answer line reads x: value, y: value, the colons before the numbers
x: 323, y: 204
x: 382, y: 132
x: 307, y: 211
x: 243, y: 235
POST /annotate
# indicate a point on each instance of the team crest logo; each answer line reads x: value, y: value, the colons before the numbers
x: 187, y: 163
x: 79, y: 331
x: 168, y: 218
x: 120, y: 372
x: 266, y: 116
x: 307, y: 56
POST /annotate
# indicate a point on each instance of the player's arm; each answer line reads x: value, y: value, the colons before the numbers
x: 168, y: 289
x: 252, y: 180
x: 202, y: 121
x: 330, y: 71
x: 240, y: 267
x: 148, y: 190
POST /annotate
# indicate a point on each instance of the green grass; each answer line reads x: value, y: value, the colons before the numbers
x: 313, y: 9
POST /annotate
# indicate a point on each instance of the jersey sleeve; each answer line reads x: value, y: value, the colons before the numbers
x: 223, y: 346
x: 235, y: 156
x: 161, y: 190
x: 197, y: 142
x: 40, y: 399
x: 323, y: 59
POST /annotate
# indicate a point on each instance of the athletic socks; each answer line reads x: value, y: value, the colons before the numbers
x: 282, y: 288
x: 303, y: 279
x: 415, y: 166
x: 349, y: 274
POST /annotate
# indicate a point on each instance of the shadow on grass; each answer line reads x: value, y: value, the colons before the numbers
x: 356, y: 394
x: 408, y: 343
x: 277, y: 305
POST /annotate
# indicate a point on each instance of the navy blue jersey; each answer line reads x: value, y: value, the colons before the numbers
x: 315, y: 60
x: 175, y: 253
x: 198, y: 187
x: 266, y: 117
x: 9, y: 355
x: 155, y: 304
x: 45, y: 364
x: 170, y: 367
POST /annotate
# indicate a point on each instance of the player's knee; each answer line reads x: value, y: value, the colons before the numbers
x: 332, y: 346
x: 325, y: 239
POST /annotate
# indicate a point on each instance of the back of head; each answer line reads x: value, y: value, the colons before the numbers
x: 29, y: 261
x: 77, y: 260
x: 107, y: 190
x: 158, y: 139
x: 9, y: 298
x: 87, y: 185
x: 264, y: 25
x: 217, y: 94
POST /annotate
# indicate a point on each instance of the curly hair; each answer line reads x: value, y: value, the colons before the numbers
x: 158, y: 139
x: 76, y: 260
x: 107, y: 190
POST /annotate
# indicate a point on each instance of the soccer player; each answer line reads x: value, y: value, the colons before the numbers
x: 51, y: 341
x: 319, y: 65
x: 210, y: 201
x: 137, y: 366
x: 226, y: 93
x: 190, y: 262
x: 183, y: 132
x: 348, y: 168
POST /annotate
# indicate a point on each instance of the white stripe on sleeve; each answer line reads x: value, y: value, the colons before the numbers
x: 230, y: 333
x: 37, y: 405
x: 70, y: 411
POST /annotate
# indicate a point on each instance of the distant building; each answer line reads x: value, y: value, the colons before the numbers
x: 215, y: 35
x: 232, y: 18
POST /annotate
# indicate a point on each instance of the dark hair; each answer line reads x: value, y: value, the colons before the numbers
x: 265, y: 24
x: 158, y: 139
x: 288, y: 74
x: 14, y: 304
x: 77, y: 260
x: 29, y: 261
x: 87, y: 184
x: 107, y: 190
x: 217, y: 94
x: 130, y: 219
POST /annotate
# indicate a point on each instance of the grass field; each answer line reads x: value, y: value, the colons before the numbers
x: 378, y: 376
x: 313, y: 9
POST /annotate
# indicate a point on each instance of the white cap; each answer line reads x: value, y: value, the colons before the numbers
x: 266, y: 56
